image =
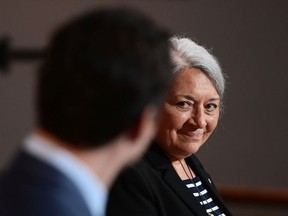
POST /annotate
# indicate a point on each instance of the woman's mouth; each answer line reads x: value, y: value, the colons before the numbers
x: 193, y: 135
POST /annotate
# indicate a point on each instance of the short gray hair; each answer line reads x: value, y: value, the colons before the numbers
x: 185, y: 53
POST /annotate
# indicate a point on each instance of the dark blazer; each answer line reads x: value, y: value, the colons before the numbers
x: 32, y: 188
x: 152, y: 187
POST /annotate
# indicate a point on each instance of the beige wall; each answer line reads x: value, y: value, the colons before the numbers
x: 250, y: 145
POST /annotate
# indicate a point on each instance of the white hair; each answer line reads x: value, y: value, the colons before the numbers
x: 185, y: 53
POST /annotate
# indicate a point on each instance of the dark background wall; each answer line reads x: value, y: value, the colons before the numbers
x: 249, y: 38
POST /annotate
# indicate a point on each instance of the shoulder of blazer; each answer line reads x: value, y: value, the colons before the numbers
x: 40, y: 186
x: 157, y: 158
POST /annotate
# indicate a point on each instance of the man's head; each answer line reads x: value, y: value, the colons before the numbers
x: 101, y: 71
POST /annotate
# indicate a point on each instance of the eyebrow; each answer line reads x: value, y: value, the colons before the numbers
x: 189, y: 97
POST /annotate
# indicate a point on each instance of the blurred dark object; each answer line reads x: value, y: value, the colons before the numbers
x: 8, y: 55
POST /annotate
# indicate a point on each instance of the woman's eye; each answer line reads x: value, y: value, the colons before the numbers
x: 211, y: 107
x: 184, y: 104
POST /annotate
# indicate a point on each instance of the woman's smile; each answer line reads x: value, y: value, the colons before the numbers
x: 194, y: 135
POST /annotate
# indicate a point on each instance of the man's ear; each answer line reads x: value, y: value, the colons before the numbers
x: 145, y: 124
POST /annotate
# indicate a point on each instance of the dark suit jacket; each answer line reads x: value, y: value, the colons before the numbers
x: 32, y: 188
x: 152, y: 187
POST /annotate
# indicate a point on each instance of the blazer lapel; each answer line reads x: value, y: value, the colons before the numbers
x: 208, y: 183
x: 163, y: 165
x: 176, y: 184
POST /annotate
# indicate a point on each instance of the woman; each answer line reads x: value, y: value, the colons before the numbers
x: 170, y: 180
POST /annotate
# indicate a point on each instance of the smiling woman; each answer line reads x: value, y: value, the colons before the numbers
x: 189, y: 115
x: 170, y: 180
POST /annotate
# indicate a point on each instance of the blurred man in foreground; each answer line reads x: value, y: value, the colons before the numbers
x: 99, y: 87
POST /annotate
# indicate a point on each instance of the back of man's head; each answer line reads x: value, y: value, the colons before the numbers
x: 101, y: 70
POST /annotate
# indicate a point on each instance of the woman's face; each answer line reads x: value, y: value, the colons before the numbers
x: 189, y: 114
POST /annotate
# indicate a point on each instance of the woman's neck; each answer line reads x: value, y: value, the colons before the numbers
x: 183, y: 170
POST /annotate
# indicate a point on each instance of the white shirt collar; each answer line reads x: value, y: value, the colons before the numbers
x: 92, y: 189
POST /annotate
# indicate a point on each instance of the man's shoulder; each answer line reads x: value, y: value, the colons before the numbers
x: 31, y: 187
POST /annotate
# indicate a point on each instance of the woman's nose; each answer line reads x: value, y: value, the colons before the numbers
x: 198, y: 117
